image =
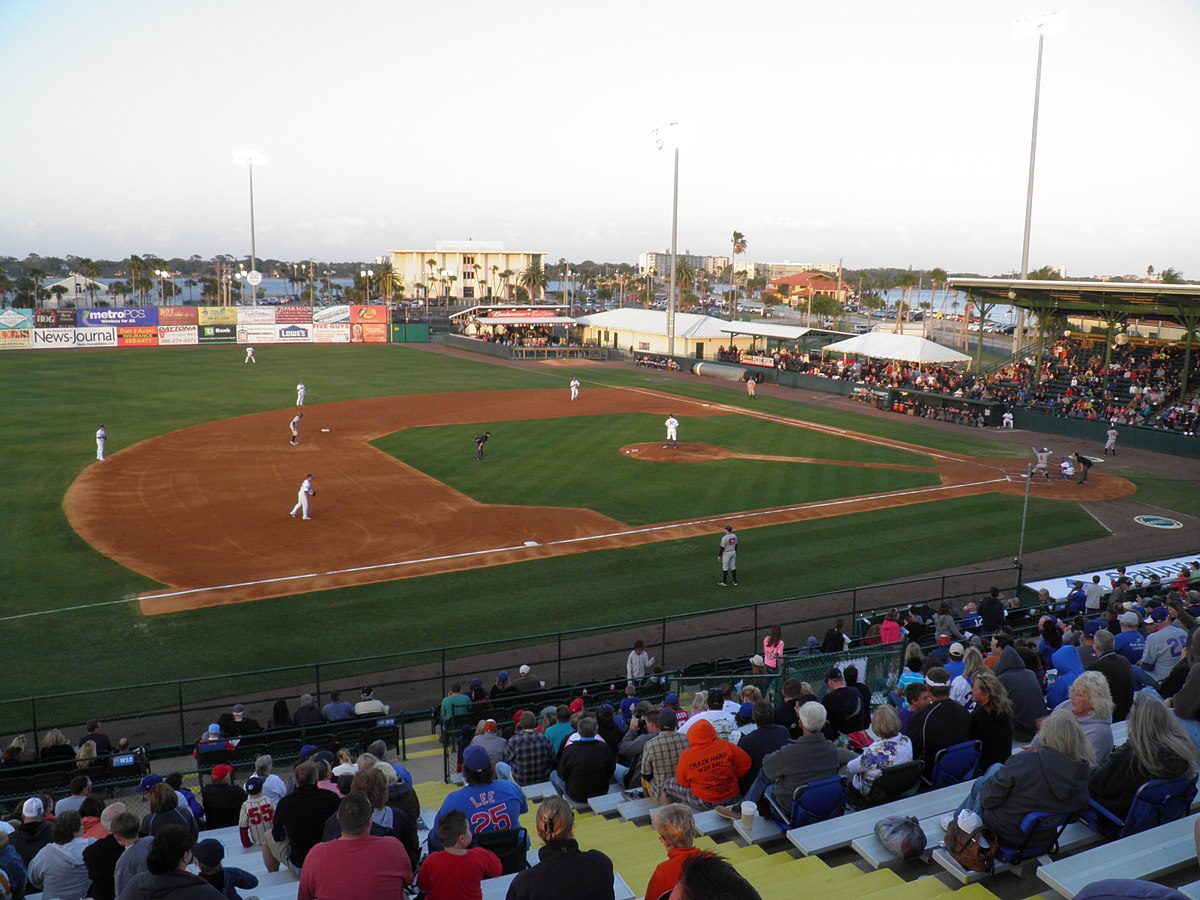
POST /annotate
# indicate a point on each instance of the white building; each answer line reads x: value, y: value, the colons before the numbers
x: 79, y: 291
x: 464, y: 270
x: 645, y: 330
x: 769, y: 271
x: 661, y: 263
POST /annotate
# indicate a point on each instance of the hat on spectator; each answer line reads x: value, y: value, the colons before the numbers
x: 757, y: 660
x: 208, y: 852
x: 547, y: 710
x: 239, y: 708
x: 33, y: 808
x: 214, y: 728
x: 476, y: 759
x: 525, y: 670
x: 957, y: 650
x: 577, y: 705
x: 746, y: 711
x: 327, y: 756
x: 253, y: 784
x: 672, y: 699
x: 943, y: 639
x: 502, y: 677
x: 489, y: 725
x: 147, y: 782
x: 1160, y: 614
x: 1129, y: 618
x: 667, y: 719
x: 1091, y: 626
x: 517, y: 716
x: 221, y: 771
x: 475, y: 682
x: 834, y: 674
x: 345, y: 769
x: 307, y: 750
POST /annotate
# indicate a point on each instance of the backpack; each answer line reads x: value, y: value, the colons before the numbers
x: 974, y: 851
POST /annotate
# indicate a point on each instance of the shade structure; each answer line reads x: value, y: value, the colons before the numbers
x: 906, y: 347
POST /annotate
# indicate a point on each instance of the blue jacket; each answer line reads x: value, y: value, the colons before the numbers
x: 1069, y: 666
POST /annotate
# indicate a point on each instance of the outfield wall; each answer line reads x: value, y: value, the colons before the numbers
x: 68, y: 329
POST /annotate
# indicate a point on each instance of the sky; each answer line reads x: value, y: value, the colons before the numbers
x: 880, y: 133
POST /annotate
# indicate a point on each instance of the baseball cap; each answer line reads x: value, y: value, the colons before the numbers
x: 147, y: 782
x: 943, y: 639
x: 834, y: 674
x: 208, y: 852
x: 475, y: 683
x: 757, y: 660
x: 577, y: 705
x: 221, y: 771
x: 32, y: 808
x: 1160, y: 614
x: 667, y: 719
x: 214, y: 728
x: 746, y: 711
x: 1092, y: 626
x: 489, y: 726
x: 502, y: 677
x: 307, y: 750
x: 672, y: 699
x: 253, y: 784
x: 239, y: 709
x: 525, y: 670
x: 1129, y: 618
x: 476, y: 759
x: 957, y: 650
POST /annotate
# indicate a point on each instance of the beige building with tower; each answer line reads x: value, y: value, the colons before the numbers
x: 465, y: 270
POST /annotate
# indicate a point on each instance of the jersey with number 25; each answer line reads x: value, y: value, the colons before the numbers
x: 488, y: 807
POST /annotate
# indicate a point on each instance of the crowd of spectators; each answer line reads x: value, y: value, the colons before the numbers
x: 651, y: 361
x: 527, y: 337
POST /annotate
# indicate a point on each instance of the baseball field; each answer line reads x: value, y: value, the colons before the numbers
x: 177, y: 556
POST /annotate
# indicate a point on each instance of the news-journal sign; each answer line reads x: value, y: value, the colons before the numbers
x: 331, y: 333
x: 100, y: 318
x: 22, y: 338
x: 16, y: 318
x: 274, y: 334
x: 1165, y: 569
x: 178, y: 335
x: 73, y: 338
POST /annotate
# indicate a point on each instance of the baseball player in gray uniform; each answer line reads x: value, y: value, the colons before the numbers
x: 672, y: 424
x: 101, y: 440
x: 295, y: 426
x: 728, y: 556
x: 1043, y: 461
x: 306, y: 491
x: 300, y: 392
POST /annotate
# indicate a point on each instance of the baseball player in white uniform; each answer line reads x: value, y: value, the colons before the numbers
x: 1006, y: 420
x: 101, y: 440
x: 250, y: 356
x: 295, y: 426
x: 672, y: 424
x: 306, y: 491
x: 728, y: 556
x: 300, y: 392
x: 751, y: 385
x: 1043, y: 461
x: 1110, y: 442
x: 574, y: 388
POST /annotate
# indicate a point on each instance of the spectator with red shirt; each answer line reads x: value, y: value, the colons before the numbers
x: 358, y: 864
x: 455, y: 873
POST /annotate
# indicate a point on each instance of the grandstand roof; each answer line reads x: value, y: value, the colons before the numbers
x: 652, y: 321
x: 1170, y: 302
x: 907, y: 347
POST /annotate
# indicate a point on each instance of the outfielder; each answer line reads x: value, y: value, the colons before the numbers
x: 295, y: 426
x: 306, y: 491
x: 1110, y: 442
x: 300, y: 392
x: 1043, y: 462
x: 672, y: 424
x: 751, y: 385
x: 728, y: 556
x: 101, y: 440
x: 574, y: 388
x: 250, y: 356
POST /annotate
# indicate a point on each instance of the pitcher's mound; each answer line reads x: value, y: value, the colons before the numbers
x: 686, y: 452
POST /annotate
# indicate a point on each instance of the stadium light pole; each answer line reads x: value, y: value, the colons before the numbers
x: 658, y: 133
x: 1052, y: 23
x: 250, y: 159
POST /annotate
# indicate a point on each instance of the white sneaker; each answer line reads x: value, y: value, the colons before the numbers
x: 945, y: 820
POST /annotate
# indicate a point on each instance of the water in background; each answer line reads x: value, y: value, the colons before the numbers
x: 1001, y: 313
x: 270, y: 287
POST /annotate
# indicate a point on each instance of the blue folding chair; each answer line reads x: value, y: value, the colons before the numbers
x: 813, y: 802
x: 1041, y: 832
x: 1156, y: 802
x: 955, y: 764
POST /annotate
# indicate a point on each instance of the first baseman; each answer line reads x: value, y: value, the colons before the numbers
x: 306, y: 491
x: 250, y: 356
x: 574, y: 388
x: 101, y: 439
x: 1110, y: 442
x: 672, y: 424
x: 479, y: 442
x: 728, y: 556
x: 295, y: 426
x: 300, y: 392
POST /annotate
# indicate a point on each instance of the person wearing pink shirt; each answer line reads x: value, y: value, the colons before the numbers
x: 773, y: 649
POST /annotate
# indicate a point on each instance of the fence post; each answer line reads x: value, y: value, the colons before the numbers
x: 853, y: 607
x: 33, y: 718
x: 662, y: 642
x: 560, y: 681
x: 443, y: 694
x: 317, y: 679
x: 754, y: 637
x: 182, y: 726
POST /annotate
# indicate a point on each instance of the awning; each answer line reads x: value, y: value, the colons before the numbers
x: 526, y: 320
x: 907, y: 347
x: 767, y: 330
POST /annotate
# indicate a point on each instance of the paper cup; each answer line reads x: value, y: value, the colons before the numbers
x: 749, y: 811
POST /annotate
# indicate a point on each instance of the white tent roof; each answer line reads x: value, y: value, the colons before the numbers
x: 766, y: 329
x: 907, y: 347
x: 653, y: 321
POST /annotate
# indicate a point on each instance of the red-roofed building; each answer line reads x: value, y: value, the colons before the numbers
x: 809, y: 284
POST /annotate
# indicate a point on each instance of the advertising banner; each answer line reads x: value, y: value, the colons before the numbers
x: 324, y: 333
x: 368, y: 334
x: 16, y: 318
x: 766, y: 362
x: 295, y: 333
x: 255, y: 315
x: 330, y: 315
x: 178, y: 315
x: 299, y: 314
x: 54, y: 318
x: 137, y: 336
x: 368, y: 315
x: 70, y: 338
x: 1165, y: 569
x: 274, y: 334
x: 133, y: 315
x: 217, y: 334
x: 16, y: 338
x: 177, y: 335
x: 216, y: 315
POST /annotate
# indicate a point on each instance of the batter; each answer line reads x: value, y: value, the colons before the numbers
x: 300, y: 392
x: 101, y: 440
x: 1043, y: 462
x: 728, y: 556
x: 305, y: 492
x: 672, y: 424
x: 250, y: 356
x: 574, y: 388
x: 295, y: 426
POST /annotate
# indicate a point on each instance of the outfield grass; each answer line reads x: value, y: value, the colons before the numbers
x: 576, y: 462
x: 1159, y: 490
x: 53, y: 402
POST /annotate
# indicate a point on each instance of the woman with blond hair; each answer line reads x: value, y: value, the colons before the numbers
x: 991, y: 719
x: 960, y: 687
x: 1091, y: 703
x: 676, y: 827
x: 55, y: 746
x: 891, y: 748
x: 563, y: 869
x: 86, y: 757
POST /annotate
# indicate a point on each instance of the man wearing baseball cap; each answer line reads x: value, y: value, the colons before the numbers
x: 33, y: 833
x: 1130, y: 643
x: 489, y: 804
x: 954, y: 665
x: 222, y: 800
x: 527, y: 683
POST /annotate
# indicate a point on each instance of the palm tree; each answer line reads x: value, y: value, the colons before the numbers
x: 431, y: 265
x: 685, y: 277
x: 870, y: 301
x: 506, y: 278
x: 90, y: 271
x: 1170, y: 275
x: 937, y: 278
x: 906, y: 282
x: 739, y: 246
x: 58, y: 290
x: 533, y: 279
x: 1149, y: 272
x: 190, y: 283
x: 6, y: 285
x: 494, y: 270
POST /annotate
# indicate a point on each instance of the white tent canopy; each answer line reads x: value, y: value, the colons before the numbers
x: 907, y: 347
